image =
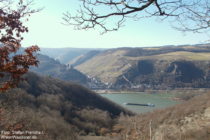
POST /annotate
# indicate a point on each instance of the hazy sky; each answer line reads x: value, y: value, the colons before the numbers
x: 46, y: 30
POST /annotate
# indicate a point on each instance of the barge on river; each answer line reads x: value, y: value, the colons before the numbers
x: 148, y: 104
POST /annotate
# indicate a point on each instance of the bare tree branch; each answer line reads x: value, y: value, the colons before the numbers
x: 109, y: 15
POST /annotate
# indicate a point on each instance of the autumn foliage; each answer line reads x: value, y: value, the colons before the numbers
x: 13, y: 63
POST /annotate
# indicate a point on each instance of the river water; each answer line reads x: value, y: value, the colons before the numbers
x: 160, y: 100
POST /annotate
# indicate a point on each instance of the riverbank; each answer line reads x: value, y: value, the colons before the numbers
x: 153, y: 91
x: 174, y: 94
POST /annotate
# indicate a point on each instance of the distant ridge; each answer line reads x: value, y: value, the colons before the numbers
x: 65, y: 55
x: 127, y: 67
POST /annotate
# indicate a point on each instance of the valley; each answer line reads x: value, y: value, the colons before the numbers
x: 104, y: 70
x: 150, y: 68
x: 175, y: 79
x: 134, y: 69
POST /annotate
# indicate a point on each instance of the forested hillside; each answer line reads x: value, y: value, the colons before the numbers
x: 60, y: 109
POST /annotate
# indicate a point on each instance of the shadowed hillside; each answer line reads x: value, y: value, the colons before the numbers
x: 159, y: 74
x: 50, y: 67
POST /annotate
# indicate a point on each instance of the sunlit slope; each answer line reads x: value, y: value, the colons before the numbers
x: 106, y: 66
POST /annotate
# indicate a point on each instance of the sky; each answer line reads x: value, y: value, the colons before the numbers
x: 47, y: 31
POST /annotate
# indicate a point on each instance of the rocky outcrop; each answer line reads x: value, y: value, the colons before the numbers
x: 185, y: 71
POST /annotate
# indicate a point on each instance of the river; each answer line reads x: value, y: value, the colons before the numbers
x: 160, y: 100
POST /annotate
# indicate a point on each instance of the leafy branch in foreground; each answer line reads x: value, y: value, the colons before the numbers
x: 13, y: 63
